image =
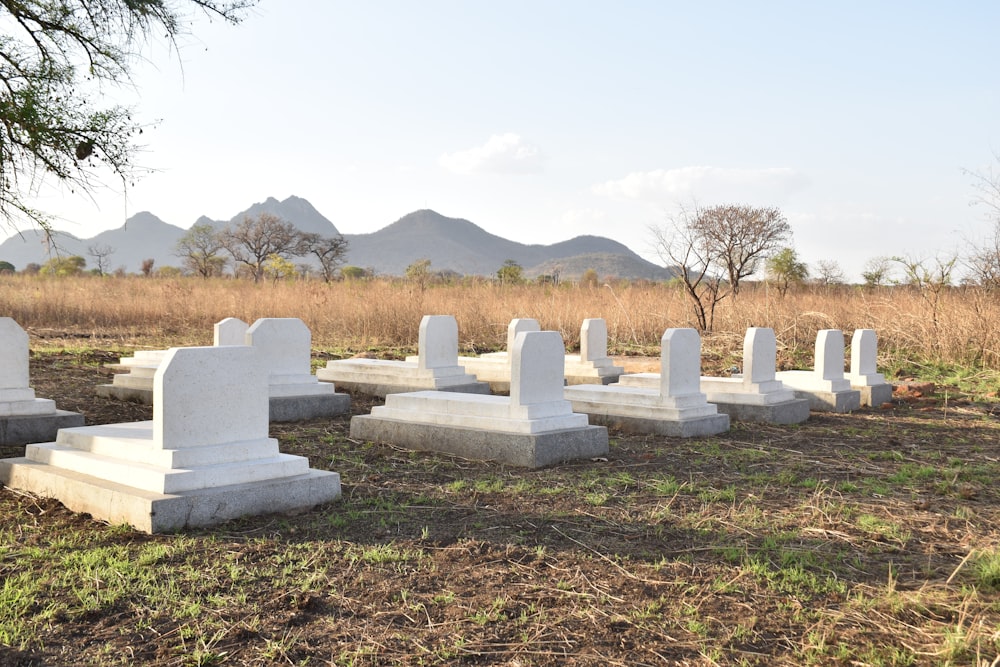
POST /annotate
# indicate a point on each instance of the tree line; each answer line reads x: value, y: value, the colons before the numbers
x: 259, y: 246
x: 716, y: 248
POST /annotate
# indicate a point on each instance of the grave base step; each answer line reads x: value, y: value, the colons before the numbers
x: 516, y: 449
x: 27, y: 429
x: 794, y: 411
x: 383, y: 389
x: 875, y: 395
x: 840, y: 402
x: 696, y: 427
x: 164, y: 513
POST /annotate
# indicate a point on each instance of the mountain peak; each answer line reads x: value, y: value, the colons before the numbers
x: 294, y: 209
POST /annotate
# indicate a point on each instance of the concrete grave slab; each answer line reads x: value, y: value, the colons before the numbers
x: 205, y: 458
x: 134, y: 378
x: 535, y: 426
x: 592, y: 365
x: 864, y: 375
x: 434, y: 368
x: 675, y: 408
x: 284, y: 346
x: 825, y: 387
x: 494, y: 367
x: 24, y: 418
x: 753, y: 396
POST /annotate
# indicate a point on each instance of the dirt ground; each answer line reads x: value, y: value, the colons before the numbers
x: 850, y: 539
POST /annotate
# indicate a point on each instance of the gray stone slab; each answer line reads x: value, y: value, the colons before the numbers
x: 23, y: 430
x: 132, y: 394
x: 382, y: 389
x: 794, y: 411
x: 516, y: 449
x: 840, y: 402
x: 687, y: 428
x: 875, y: 395
x: 302, y: 408
x: 164, y: 513
x: 282, y: 408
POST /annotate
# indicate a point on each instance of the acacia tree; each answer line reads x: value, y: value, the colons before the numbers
x: 329, y: 251
x: 64, y: 266
x: 877, y: 271
x: 200, y: 250
x: 739, y: 237
x: 510, y: 273
x: 54, y: 57
x: 785, y: 269
x: 279, y: 268
x: 252, y: 240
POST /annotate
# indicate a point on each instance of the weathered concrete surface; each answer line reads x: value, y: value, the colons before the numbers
x: 526, y: 450
x: 22, y: 430
x: 164, y: 513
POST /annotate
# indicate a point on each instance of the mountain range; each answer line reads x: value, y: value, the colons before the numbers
x: 451, y: 244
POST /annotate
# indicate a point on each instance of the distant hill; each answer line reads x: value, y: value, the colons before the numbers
x: 296, y: 210
x: 458, y: 245
x: 607, y: 265
x: 452, y: 244
x: 143, y: 236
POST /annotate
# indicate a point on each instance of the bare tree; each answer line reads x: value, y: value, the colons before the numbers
x: 740, y: 237
x: 199, y: 250
x: 329, y: 251
x: 102, y: 257
x: 147, y: 267
x: 983, y: 258
x: 828, y: 272
x: 252, y: 241
x: 682, y: 245
x: 986, y: 183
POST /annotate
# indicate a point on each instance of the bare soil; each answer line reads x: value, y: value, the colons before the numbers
x: 850, y: 539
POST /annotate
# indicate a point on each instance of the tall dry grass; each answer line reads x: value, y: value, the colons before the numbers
x: 960, y: 326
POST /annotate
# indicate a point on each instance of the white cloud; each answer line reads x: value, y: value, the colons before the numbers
x: 706, y: 185
x: 501, y: 154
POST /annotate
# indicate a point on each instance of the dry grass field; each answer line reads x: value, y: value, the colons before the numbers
x: 958, y: 329
x: 871, y: 538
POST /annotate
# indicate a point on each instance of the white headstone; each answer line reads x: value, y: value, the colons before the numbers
x: 760, y: 354
x: 537, y: 364
x: 518, y: 325
x: 828, y: 362
x: 864, y: 352
x: 209, y: 396
x: 437, y: 345
x: 593, y: 339
x: 13, y: 356
x: 680, y: 362
x: 283, y: 345
x: 231, y: 331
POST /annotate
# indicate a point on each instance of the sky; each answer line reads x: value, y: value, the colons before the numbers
x: 541, y: 120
